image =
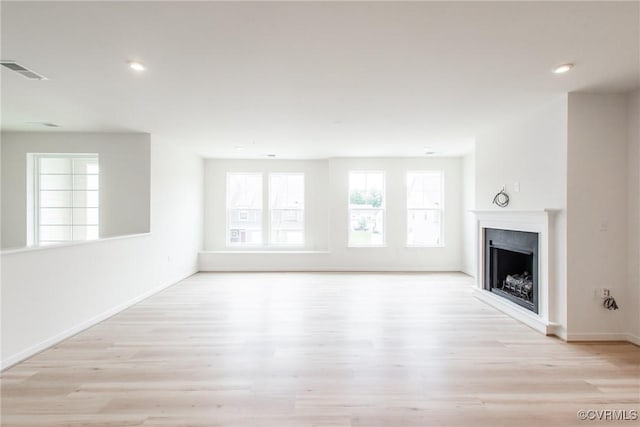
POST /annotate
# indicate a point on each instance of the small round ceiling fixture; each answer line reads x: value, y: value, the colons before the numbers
x: 561, y: 69
x: 137, y: 66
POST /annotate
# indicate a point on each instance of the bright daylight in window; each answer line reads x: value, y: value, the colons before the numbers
x: 366, y: 208
x: 244, y: 208
x: 65, y: 197
x: 424, y: 208
x: 286, y: 205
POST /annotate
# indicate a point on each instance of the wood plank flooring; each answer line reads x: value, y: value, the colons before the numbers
x: 318, y: 349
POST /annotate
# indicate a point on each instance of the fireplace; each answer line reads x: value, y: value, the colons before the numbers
x: 511, y: 266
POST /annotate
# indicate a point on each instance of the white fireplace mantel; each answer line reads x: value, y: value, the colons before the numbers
x: 535, y: 221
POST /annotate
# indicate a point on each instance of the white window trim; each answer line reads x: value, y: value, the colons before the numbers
x: 442, y: 209
x: 383, y: 209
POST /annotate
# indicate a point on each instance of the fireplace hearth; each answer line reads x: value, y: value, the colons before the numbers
x: 511, y: 269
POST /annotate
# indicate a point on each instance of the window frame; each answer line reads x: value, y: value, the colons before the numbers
x: 441, y: 209
x: 383, y: 209
x: 34, y: 199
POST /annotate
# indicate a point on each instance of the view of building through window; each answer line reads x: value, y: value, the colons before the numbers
x: 244, y: 208
x: 65, y: 197
x: 366, y: 208
x: 286, y: 205
x: 424, y: 208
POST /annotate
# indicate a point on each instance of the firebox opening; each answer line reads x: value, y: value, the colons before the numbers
x: 512, y: 266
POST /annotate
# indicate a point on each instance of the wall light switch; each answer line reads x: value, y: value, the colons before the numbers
x: 516, y: 186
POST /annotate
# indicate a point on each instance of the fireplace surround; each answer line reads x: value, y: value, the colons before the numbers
x: 529, y: 257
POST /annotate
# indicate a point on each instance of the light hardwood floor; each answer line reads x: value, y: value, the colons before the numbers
x: 318, y: 349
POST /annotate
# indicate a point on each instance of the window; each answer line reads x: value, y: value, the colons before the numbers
x: 65, y: 197
x: 366, y: 208
x: 244, y: 208
x: 424, y: 208
x: 286, y: 206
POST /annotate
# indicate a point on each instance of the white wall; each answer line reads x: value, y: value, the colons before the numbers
x: 124, y: 178
x: 327, y: 218
x: 531, y: 151
x: 631, y: 303
x: 469, y: 244
x: 597, y: 214
x: 51, y: 293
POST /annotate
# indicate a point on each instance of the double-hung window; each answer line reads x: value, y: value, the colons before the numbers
x: 244, y: 208
x: 424, y: 208
x: 366, y: 208
x: 65, y: 198
x: 286, y: 206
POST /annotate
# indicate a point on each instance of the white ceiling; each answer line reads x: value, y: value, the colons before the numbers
x: 308, y: 80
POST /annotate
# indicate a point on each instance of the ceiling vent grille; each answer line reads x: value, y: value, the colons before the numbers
x: 23, y: 71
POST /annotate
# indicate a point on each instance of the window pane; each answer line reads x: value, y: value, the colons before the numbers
x: 287, y: 226
x: 55, y: 233
x: 86, y: 182
x: 55, y: 216
x: 56, y: 182
x: 55, y: 165
x: 286, y: 191
x: 244, y: 190
x: 424, y: 227
x: 366, y: 203
x: 85, y: 165
x: 245, y: 226
x: 85, y: 216
x: 366, y: 227
x: 85, y: 233
x: 424, y: 190
x: 244, y: 208
x: 85, y: 199
x: 288, y: 237
x: 366, y: 189
x: 56, y: 199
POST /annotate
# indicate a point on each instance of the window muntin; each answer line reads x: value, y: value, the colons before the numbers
x: 366, y: 208
x: 244, y: 209
x: 425, y: 208
x: 65, y: 197
x: 286, y: 208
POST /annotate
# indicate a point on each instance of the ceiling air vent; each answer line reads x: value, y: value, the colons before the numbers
x: 25, y: 72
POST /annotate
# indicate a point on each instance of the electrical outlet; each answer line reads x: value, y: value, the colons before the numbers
x: 606, y: 293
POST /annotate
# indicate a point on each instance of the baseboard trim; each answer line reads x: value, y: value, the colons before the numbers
x: 56, y: 339
x: 604, y: 336
x: 327, y: 269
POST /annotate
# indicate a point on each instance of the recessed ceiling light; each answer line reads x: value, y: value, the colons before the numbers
x: 138, y: 66
x: 239, y: 147
x: 561, y: 69
x: 429, y: 153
